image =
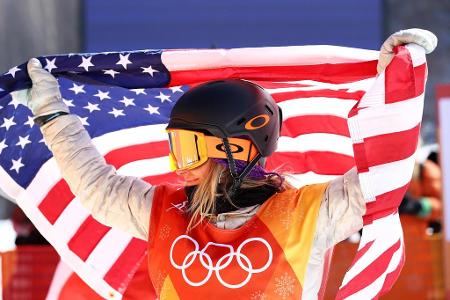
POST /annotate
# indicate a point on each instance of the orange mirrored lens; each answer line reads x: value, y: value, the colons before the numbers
x: 187, y: 149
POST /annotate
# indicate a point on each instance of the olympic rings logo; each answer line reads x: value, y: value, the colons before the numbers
x: 223, y: 262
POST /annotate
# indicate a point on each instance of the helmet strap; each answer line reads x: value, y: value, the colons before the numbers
x: 237, y: 178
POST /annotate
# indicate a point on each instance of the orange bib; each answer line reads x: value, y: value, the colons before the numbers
x: 266, y: 258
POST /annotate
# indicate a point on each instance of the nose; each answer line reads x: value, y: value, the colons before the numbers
x: 181, y: 172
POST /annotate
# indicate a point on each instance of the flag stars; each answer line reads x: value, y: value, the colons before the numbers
x: 91, y: 107
x: 116, y: 112
x: 3, y: 145
x: 16, y: 165
x: 23, y: 141
x: 149, y: 70
x: 7, y: 123
x: 30, y: 121
x: 124, y: 61
x: 86, y: 63
x: 84, y: 121
x: 15, y: 102
x: 13, y: 71
x: 68, y: 102
x: 163, y: 97
x: 139, y: 91
x: 102, y: 95
x: 175, y: 89
x: 127, y: 101
x: 111, y: 72
x: 77, y: 89
x: 152, y: 109
x: 50, y: 64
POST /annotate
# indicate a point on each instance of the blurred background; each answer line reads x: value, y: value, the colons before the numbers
x: 31, y: 28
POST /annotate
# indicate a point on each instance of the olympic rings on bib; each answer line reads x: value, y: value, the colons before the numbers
x: 243, y: 261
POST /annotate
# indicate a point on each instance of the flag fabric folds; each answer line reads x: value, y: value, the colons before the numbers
x: 337, y: 114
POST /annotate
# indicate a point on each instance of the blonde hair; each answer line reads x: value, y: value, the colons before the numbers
x: 203, y: 200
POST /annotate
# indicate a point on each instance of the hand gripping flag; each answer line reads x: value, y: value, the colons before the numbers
x: 337, y: 114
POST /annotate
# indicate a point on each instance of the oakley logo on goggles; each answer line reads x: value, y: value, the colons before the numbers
x: 190, y: 149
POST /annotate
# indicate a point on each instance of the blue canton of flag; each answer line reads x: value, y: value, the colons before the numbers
x: 108, y: 91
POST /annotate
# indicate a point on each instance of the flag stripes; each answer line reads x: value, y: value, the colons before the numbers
x: 385, y: 159
x: 331, y: 102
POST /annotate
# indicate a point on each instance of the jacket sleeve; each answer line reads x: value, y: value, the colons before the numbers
x: 118, y: 201
x: 341, y: 211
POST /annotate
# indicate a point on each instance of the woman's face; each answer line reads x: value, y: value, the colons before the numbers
x: 194, y: 176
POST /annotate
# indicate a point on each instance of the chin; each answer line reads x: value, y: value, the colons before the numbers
x: 191, y: 183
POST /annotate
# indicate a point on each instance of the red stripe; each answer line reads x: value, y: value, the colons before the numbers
x: 392, y: 277
x: 361, y: 252
x: 420, y: 74
x: 120, y: 273
x: 87, y: 237
x: 125, y: 155
x: 402, y: 80
x: 391, y: 147
x: 386, y: 201
x: 296, y: 126
x: 320, y: 162
x: 277, y: 85
x: 340, y: 94
x: 56, y: 201
x: 360, y: 157
x: 372, y: 272
x: 331, y: 73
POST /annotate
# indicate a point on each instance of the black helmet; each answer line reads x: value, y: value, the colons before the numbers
x: 230, y: 108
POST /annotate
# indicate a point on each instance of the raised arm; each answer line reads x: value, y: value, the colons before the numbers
x: 118, y: 201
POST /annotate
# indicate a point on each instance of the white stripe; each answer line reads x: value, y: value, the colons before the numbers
x: 316, y: 106
x: 316, y: 142
x: 384, y: 119
x: 386, y: 232
x: 146, y: 167
x: 70, y: 220
x: 47, y: 176
x: 299, y: 180
x: 60, y: 277
x: 417, y: 53
x: 375, y: 96
x: 312, y: 85
x: 386, y: 177
x: 108, y: 250
x: 9, y: 187
x: 200, y: 59
x: 130, y: 136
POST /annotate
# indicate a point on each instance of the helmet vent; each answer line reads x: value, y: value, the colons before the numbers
x: 269, y: 110
x: 266, y: 138
x: 240, y: 121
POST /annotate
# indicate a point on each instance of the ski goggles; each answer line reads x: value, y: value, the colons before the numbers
x: 190, y: 149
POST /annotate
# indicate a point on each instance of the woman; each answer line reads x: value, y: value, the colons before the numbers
x: 234, y: 230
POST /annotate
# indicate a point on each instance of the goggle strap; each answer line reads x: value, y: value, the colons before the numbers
x: 238, y: 180
x: 232, y: 165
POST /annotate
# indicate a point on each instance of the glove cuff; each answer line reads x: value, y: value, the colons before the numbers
x: 42, y: 120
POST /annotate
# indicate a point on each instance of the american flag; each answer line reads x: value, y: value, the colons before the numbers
x: 337, y: 114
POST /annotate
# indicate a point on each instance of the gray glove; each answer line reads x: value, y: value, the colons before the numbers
x: 44, y: 98
x: 424, y: 38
